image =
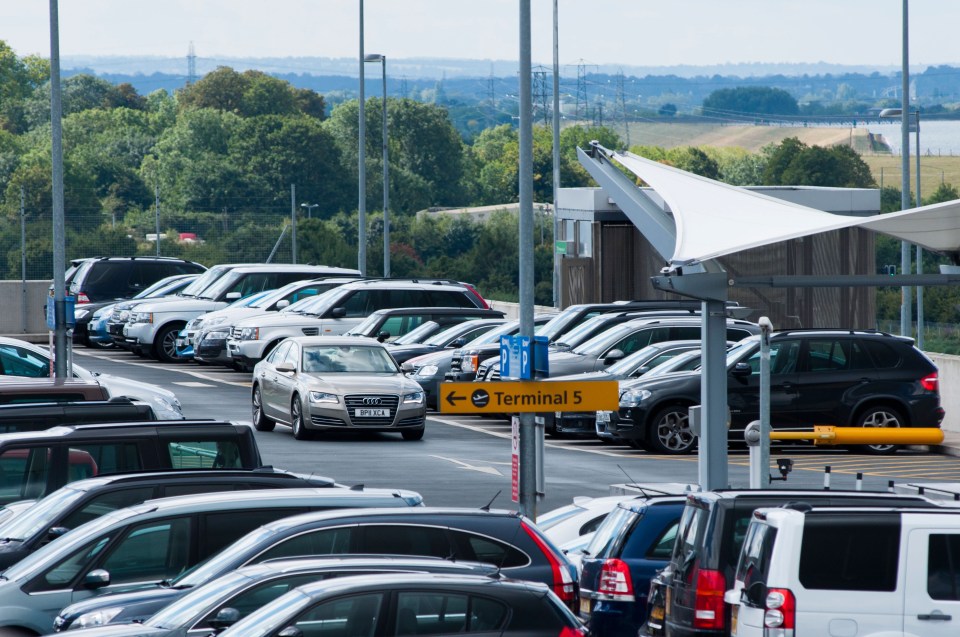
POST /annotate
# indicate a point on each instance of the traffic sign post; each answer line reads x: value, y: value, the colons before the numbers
x: 528, y: 397
x: 515, y: 459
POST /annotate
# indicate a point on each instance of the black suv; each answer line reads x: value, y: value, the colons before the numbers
x: 33, y: 464
x: 711, y: 532
x: 109, y: 278
x: 823, y: 377
x: 101, y: 280
x: 82, y: 501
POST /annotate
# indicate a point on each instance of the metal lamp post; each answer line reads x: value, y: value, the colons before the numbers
x: 898, y: 112
x: 309, y: 207
x: 376, y: 57
x: 362, y: 165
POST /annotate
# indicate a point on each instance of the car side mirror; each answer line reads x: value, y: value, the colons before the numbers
x: 232, y: 296
x: 286, y: 367
x: 282, y: 303
x: 290, y: 631
x: 640, y: 371
x: 755, y: 594
x: 742, y: 369
x: 97, y: 578
x: 55, y: 531
x: 613, y: 356
x: 338, y: 312
x: 225, y: 618
x: 383, y: 336
x: 459, y: 342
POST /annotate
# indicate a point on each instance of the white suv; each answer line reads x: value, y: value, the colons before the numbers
x: 337, y: 310
x: 153, y: 326
x: 845, y: 571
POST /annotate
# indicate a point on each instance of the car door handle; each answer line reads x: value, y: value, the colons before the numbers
x: 935, y: 616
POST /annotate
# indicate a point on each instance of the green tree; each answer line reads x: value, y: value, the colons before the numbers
x: 249, y: 94
x: 751, y: 101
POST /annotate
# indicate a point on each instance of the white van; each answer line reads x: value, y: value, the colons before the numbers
x: 848, y: 571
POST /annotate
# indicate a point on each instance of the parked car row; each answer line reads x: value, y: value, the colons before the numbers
x: 762, y: 562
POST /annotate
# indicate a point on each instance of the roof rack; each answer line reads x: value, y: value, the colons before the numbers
x: 840, y: 330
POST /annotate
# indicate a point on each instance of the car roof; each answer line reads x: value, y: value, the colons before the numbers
x: 374, y: 513
x: 146, y: 425
x: 395, y: 580
x: 337, y: 562
x: 729, y: 494
x: 288, y: 267
x: 413, y: 284
x: 638, y: 504
x: 188, y: 476
x: 355, y: 341
x: 266, y: 497
x: 456, y: 311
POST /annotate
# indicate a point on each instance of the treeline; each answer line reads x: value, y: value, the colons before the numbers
x: 218, y: 159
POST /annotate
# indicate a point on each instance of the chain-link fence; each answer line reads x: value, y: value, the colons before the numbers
x: 941, y: 338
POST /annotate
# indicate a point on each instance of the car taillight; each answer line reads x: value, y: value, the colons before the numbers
x: 566, y: 631
x: 708, y: 608
x: 615, y: 580
x: 83, y: 298
x: 473, y: 291
x: 930, y: 383
x: 563, y: 584
x: 780, y: 615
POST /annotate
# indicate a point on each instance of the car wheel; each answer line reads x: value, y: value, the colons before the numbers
x: 165, y: 344
x: 296, y: 419
x: 260, y: 421
x: 413, y: 434
x: 880, y: 416
x: 670, y: 431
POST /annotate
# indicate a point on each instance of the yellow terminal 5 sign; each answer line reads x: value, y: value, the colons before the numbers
x: 529, y: 396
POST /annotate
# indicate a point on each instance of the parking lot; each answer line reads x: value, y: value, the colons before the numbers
x: 465, y: 460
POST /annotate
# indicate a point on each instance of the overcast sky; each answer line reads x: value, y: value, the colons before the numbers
x: 629, y: 32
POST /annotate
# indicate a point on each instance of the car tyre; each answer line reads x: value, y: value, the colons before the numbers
x: 880, y: 416
x: 165, y: 344
x: 260, y: 420
x: 296, y: 419
x: 413, y: 434
x: 670, y: 432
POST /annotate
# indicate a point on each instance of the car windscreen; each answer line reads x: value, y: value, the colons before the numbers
x: 162, y: 286
x: 185, y: 609
x: 319, y: 304
x: 41, y: 515
x: 349, y: 359
x: 366, y: 327
x: 627, y: 365
x: 610, y: 532
x: 204, y: 280
x: 221, y: 285
x: 583, y: 332
x: 220, y: 562
x: 602, y: 342
x: 421, y: 334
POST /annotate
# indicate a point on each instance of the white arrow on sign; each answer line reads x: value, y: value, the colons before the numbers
x: 465, y: 465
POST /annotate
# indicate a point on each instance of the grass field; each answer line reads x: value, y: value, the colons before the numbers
x: 885, y: 167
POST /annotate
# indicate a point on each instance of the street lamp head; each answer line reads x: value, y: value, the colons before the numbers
x: 374, y: 57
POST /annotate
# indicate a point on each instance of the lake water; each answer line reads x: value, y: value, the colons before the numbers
x: 937, y: 137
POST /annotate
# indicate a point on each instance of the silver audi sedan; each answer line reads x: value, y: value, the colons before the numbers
x: 329, y: 383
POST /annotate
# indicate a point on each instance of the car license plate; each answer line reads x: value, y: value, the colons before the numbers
x: 371, y: 413
x: 585, y: 606
x: 603, y: 416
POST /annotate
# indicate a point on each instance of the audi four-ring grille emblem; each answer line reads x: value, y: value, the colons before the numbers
x: 371, y: 401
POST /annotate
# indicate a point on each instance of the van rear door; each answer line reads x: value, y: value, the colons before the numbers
x: 932, y: 591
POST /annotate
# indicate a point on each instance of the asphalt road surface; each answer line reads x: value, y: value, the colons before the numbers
x: 465, y: 460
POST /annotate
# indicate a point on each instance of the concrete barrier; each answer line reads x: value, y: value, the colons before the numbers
x: 949, y: 366
x: 22, y: 308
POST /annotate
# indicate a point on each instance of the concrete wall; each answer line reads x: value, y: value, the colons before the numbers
x: 13, y: 320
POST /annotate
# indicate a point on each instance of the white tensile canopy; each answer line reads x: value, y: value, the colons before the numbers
x: 714, y: 219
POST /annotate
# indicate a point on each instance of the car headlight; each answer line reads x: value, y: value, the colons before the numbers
x: 633, y: 397
x: 167, y: 404
x: 97, y: 618
x: 415, y: 398
x: 211, y: 322
x: 194, y: 324
x: 323, y: 397
x: 250, y: 334
x: 469, y: 362
x: 426, y: 370
x: 141, y: 317
x: 219, y: 335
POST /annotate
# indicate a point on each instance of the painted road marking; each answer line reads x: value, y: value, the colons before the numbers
x: 192, y: 383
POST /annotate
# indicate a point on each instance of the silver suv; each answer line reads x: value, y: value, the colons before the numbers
x: 336, y: 311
